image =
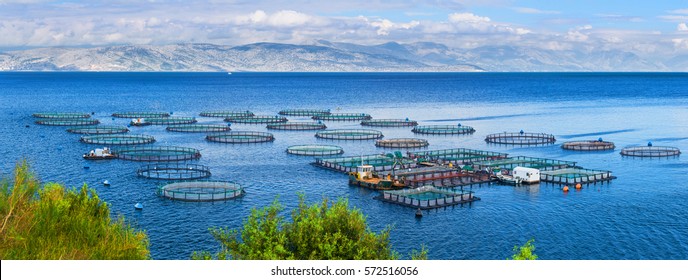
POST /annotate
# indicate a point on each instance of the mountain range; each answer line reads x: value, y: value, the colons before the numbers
x: 325, y: 56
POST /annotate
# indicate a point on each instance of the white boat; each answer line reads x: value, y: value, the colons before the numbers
x: 103, y: 153
x: 509, y: 180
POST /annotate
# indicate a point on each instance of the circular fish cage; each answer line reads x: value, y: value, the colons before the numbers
x: 67, y: 122
x: 198, y: 128
x: 520, y: 138
x: 118, y: 139
x: 59, y: 115
x: 402, y: 143
x: 389, y: 122
x: 588, y: 145
x: 164, y: 121
x: 226, y: 114
x: 304, y: 112
x: 650, y: 151
x: 297, y: 126
x: 315, y: 150
x: 443, y: 129
x: 261, y: 119
x: 349, y: 134
x: 174, y: 171
x: 343, y: 117
x: 136, y: 115
x: 201, y: 191
x: 163, y: 153
x: 240, y: 137
x: 103, y: 129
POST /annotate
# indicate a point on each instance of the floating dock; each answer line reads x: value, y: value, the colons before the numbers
x: 427, y: 197
x: 380, y: 163
x: 440, y: 176
x: 575, y: 176
x: 459, y: 156
x: 530, y: 162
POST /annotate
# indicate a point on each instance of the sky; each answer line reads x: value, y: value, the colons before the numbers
x: 647, y: 28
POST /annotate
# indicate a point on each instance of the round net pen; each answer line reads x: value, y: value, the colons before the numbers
x: 349, y: 134
x: 226, y: 114
x: 104, y: 129
x: 136, y: 115
x: 67, y: 122
x: 163, y: 153
x: 443, y: 129
x: 588, y: 145
x: 201, y: 191
x: 262, y: 119
x: 389, y: 122
x: 193, y: 128
x: 297, y: 126
x: 650, y: 151
x: 241, y: 137
x: 164, y: 121
x: 118, y: 139
x: 520, y: 138
x: 402, y: 143
x: 174, y: 171
x: 315, y: 150
x: 304, y: 112
x: 343, y: 117
x: 58, y: 115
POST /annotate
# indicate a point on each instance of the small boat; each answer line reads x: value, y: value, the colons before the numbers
x: 138, y: 206
x: 139, y: 122
x: 103, y: 153
x: 365, y: 177
x: 509, y: 180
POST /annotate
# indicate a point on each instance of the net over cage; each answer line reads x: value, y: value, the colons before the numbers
x: 226, y: 114
x: 167, y: 171
x: 588, y: 145
x: 402, y: 143
x: 201, y: 191
x: 260, y: 119
x: 304, y: 112
x: 118, y: 139
x: 197, y: 128
x: 61, y: 115
x: 389, y: 122
x: 343, y: 117
x: 160, y: 153
x: 349, y: 134
x: 297, y: 126
x: 101, y: 129
x: 443, y: 129
x: 67, y: 122
x: 315, y: 150
x: 239, y: 137
x: 520, y: 138
x: 135, y: 115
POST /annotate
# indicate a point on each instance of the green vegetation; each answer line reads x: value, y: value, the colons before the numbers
x: 59, y: 223
x: 321, y: 231
x: 525, y: 252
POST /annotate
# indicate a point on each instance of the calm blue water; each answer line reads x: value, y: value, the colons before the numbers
x: 640, y: 215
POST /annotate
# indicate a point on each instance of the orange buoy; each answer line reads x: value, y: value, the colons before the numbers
x: 578, y: 186
x: 566, y: 188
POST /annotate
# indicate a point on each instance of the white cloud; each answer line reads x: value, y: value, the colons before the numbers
x: 682, y: 27
x: 525, y: 10
x: 385, y: 26
x: 679, y: 11
x: 467, y: 18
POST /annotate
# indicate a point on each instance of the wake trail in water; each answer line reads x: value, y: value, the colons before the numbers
x: 484, y: 118
x: 597, y: 133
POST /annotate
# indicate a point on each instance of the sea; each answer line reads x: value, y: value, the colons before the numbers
x: 639, y: 215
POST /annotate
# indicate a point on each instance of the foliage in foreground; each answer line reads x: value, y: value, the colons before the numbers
x: 321, y: 231
x: 525, y: 252
x: 59, y: 223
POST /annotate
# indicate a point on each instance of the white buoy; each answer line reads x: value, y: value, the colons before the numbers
x: 138, y: 206
x: 106, y: 183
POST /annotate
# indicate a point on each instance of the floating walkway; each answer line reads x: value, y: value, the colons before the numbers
x: 226, y: 114
x: 650, y: 151
x: 427, y: 197
x: 201, y: 191
x: 530, y: 162
x: 349, y: 134
x: 241, y: 137
x: 520, y: 138
x: 139, y: 115
x: 118, y: 139
x: 443, y: 129
x: 163, y: 153
x: 315, y: 150
x: 197, y: 128
x: 575, y: 176
x: 174, y: 171
x: 101, y: 129
x: 343, y: 117
x: 588, y: 145
x: 458, y: 156
x: 402, y: 143
x: 440, y: 176
x: 261, y: 119
x: 61, y: 115
x: 380, y: 163
x: 304, y: 112
x: 297, y: 126
x: 389, y: 122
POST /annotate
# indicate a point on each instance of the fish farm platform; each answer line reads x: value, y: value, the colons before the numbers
x: 530, y: 162
x: 458, y: 156
x: 348, y: 164
x: 575, y: 176
x: 427, y: 197
x: 440, y: 176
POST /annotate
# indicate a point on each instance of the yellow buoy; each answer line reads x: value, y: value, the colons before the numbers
x: 578, y: 186
x: 566, y: 188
